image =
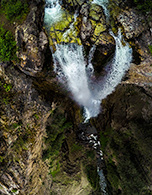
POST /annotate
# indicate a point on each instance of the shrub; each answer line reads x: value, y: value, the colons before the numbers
x: 14, y: 8
x: 7, y: 45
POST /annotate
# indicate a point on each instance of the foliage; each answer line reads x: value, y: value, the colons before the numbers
x: 92, y: 175
x: 55, y: 134
x: 7, y: 45
x: 14, y: 9
x: 76, y: 147
x: 90, y: 154
x: 150, y: 49
x: 103, y: 140
x: 57, y: 170
x: 143, y: 5
x: 7, y: 87
x: 14, y: 190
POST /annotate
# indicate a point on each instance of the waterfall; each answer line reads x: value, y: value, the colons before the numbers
x: 70, y: 68
x: 77, y: 74
x: 53, y: 12
x: 73, y: 71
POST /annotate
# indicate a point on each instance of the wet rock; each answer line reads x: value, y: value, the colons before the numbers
x: 65, y: 31
x: 133, y: 23
x: 32, y: 42
x: 94, y: 31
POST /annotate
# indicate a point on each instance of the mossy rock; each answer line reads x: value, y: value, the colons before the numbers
x: 65, y: 31
x: 99, y: 29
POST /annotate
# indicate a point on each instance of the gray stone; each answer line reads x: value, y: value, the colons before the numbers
x: 133, y: 23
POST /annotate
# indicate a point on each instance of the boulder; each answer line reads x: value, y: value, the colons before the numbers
x: 94, y: 31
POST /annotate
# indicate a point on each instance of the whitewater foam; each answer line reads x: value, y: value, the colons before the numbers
x: 53, y: 12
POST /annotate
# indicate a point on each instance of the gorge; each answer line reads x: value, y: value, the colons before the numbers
x: 75, y: 97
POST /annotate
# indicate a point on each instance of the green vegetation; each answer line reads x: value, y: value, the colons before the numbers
x: 1, y: 159
x: 55, y: 134
x: 7, y: 87
x: 76, y: 147
x: 123, y: 169
x: 14, y: 9
x: 57, y: 170
x: 92, y: 175
x: 14, y: 190
x: 7, y: 45
x: 143, y: 5
x: 36, y: 116
x: 103, y: 140
x: 150, y: 49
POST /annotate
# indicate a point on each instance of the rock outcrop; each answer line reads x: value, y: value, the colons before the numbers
x: 22, y: 128
x: 32, y: 41
x: 133, y: 23
x: 125, y: 135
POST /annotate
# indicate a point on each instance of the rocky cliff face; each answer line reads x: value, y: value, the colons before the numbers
x: 41, y: 144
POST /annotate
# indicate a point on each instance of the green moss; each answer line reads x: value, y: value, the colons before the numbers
x: 99, y: 29
x: 112, y: 174
x: 14, y: 190
x: 90, y: 154
x: 36, y: 116
x: 7, y: 87
x: 150, y: 48
x: 103, y: 140
x: 1, y: 159
x: 7, y: 45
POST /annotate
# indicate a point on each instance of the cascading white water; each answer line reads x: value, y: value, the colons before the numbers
x: 71, y: 69
x: 53, y: 12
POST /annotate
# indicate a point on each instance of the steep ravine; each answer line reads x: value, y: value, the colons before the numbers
x: 42, y: 150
